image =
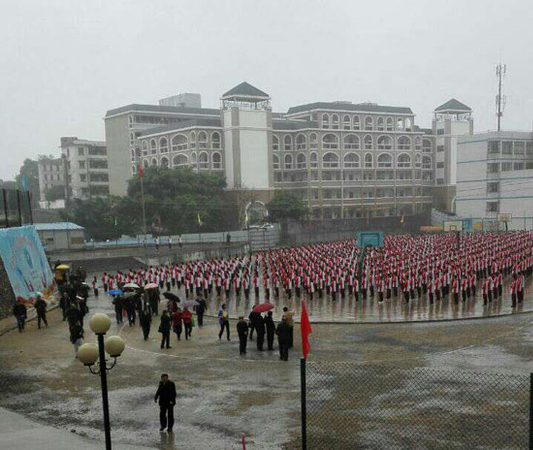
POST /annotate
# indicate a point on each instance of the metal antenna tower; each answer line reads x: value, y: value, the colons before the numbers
x: 501, y: 70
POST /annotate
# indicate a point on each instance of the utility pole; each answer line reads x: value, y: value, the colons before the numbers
x: 501, y: 70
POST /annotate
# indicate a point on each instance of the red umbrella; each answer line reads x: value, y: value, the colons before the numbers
x: 263, y: 307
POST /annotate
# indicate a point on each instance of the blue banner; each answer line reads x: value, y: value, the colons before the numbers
x: 26, y: 265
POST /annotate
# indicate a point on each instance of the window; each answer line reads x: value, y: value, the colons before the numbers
x: 381, y: 124
x: 426, y: 145
x: 529, y: 148
x: 507, y: 148
x: 287, y: 143
x: 506, y: 167
x: 418, y: 161
x: 440, y: 148
x: 164, y: 162
x: 216, y: 159
x: 288, y: 162
x: 98, y: 177
x: 404, y: 143
x: 275, y: 162
x: 97, y: 164
x: 368, y: 142
x: 81, y: 151
x: 519, y: 148
x: 369, y: 124
x: 418, y: 143
x: 130, y: 121
x: 351, y: 161
x: 493, y: 147
x: 384, y: 143
x: 356, y: 123
x: 163, y: 145
x: 202, y: 139
x: 330, y: 161
x: 493, y: 187
x: 426, y: 162
x: 335, y: 121
x: 519, y: 166
x: 145, y: 148
x: 325, y: 121
x: 440, y: 165
x: 529, y: 165
x: 351, y: 142
x: 275, y: 142
x: 404, y: 161
x: 81, y: 164
x: 193, y: 139
x: 346, y: 122
x: 493, y: 206
x: 215, y: 140
x: 153, y: 146
x: 301, y: 143
x: 368, y: 161
x: 301, y: 161
x: 330, y: 141
x: 390, y: 125
x: 179, y: 142
x: 493, y: 167
x: 439, y: 132
x: 180, y: 160
x: 440, y: 181
x: 203, y: 159
x: 384, y: 160
x: 400, y: 124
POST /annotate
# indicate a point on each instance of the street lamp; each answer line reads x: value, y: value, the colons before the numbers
x: 89, y: 353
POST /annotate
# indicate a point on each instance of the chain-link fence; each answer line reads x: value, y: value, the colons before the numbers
x: 352, y: 406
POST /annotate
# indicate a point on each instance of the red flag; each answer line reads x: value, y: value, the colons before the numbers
x: 305, y: 328
x: 141, y: 171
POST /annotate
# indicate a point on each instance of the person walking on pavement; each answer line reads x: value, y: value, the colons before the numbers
x: 252, y: 322
x: 76, y: 336
x: 145, y: 319
x: 270, y: 330
x: 200, y: 310
x: 223, y: 321
x: 164, y: 329
x: 242, y: 331
x: 260, y: 327
x: 186, y: 315
x: 166, y: 394
x: 289, y: 318
x: 118, y: 304
x: 21, y: 314
x: 64, y: 303
x: 177, y: 322
x: 284, y: 333
x: 40, y: 307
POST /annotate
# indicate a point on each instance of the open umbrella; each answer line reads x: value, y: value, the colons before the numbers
x: 263, y: 307
x: 115, y: 292
x: 132, y: 286
x: 129, y: 294
x: 151, y: 286
x: 63, y: 267
x: 189, y: 303
x: 171, y: 296
x: 36, y: 294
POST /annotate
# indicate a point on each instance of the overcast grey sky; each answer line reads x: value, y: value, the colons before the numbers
x: 65, y: 62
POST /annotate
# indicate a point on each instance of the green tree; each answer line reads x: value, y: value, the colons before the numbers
x: 30, y: 172
x: 286, y: 206
x: 55, y: 193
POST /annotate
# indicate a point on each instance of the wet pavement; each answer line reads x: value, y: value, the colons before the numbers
x: 220, y: 394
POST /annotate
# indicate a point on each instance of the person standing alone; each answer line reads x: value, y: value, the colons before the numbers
x: 166, y: 394
x: 40, y: 307
x: 242, y: 331
x: 223, y: 321
x: 164, y: 329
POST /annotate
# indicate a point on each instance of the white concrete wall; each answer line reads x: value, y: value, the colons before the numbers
x: 228, y: 150
x: 254, y: 148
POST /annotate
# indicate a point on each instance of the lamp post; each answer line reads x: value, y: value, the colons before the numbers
x: 89, y: 353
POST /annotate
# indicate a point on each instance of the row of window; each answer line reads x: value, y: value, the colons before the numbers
x: 331, y: 160
x: 50, y: 167
x: 52, y: 177
x: 381, y: 175
x: 182, y: 142
x: 508, y: 166
x: 204, y: 161
x: 369, y: 123
x: 350, y: 142
x: 517, y: 148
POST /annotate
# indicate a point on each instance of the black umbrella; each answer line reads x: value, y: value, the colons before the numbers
x: 171, y: 296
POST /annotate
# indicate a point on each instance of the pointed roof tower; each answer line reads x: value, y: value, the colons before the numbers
x: 453, y: 106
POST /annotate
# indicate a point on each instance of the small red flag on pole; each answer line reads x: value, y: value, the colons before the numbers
x: 305, y: 327
x: 141, y: 170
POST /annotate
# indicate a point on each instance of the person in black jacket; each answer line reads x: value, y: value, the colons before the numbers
x: 270, y: 329
x: 200, y: 310
x: 166, y: 394
x: 260, y: 328
x: 164, y: 329
x: 284, y: 333
x: 118, y: 302
x: 64, y: 304
x: 145, y: 319
x: 21, y: 313
x: 252, y: 318
x: 40, y: 307
x: 242, y: 331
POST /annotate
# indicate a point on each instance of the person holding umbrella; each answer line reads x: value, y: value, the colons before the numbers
x: 270, y: 330
x: 260, y: 328
x: 223, y: 321
x: 242, y: 331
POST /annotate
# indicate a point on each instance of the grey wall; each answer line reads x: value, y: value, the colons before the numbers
x: 118, y: 154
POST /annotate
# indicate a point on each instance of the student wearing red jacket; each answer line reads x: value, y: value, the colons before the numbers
x: 186, y: 316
